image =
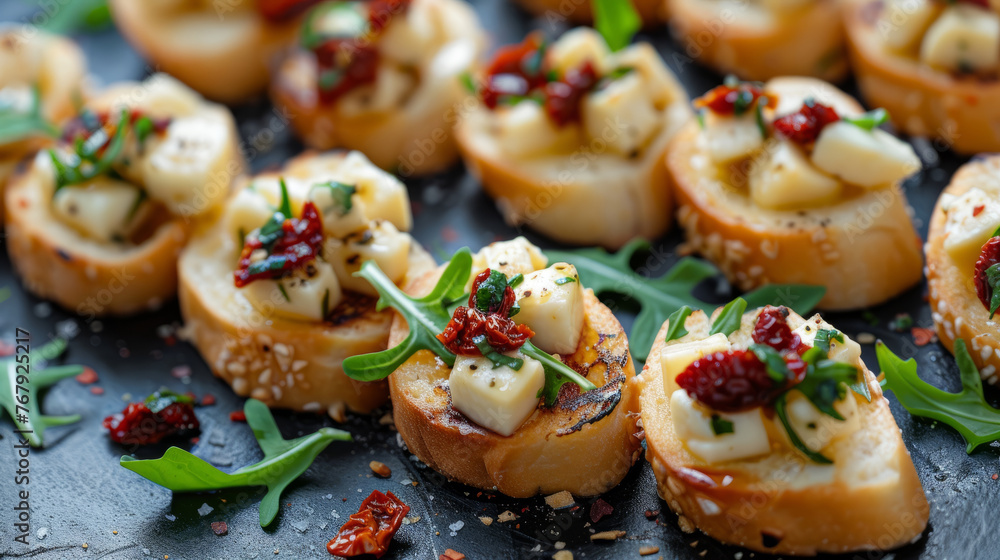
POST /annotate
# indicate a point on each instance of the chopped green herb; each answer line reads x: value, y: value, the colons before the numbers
x: 351, y: 21
x: 826, y: 381
x: 993, y: 279
x: 777, y: 368
x: 824, y: 336
x: 16, y: 125
x: 85, y: 164
x: 468, y: 82
x: 676, y: 329
x: 342, y: 195
x: 699, y: 115
x: 869, y: 120
x: 495, y: 357
x: 164, y: 398
x: 281, y: 288
x: 15, y: 384
x: 721, y: 426
x: 617, y: 21
x: 730, y: 319
x: 781, y: 410
x: 515, y: 280
x: 490, y: 294
x: 565, y: 280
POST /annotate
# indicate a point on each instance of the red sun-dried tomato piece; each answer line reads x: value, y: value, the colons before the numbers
x: 988, y: 256
x: 803, y: 126
x: 370, y: 530
x: 731, y: 381
x: 139, y: 425
x: 772, y: 329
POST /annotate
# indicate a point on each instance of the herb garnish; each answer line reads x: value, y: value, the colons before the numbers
x: 164, y: 398
x: 675, y: 328
x: 284, y: 461
x: 17, y: 385
x: 721, y: 426
x: 16, y: 125
x: 341, y: 193
x: 565, y: 280
x: 869, y: 120
x: 92, y: 156
x: 352, y: 21
x: 993, y: 279
x: 617, y: 21
x: 729, y: 318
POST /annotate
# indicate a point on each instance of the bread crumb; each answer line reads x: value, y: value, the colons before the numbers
x: 386, y: 420
x: 560, y: 500
x: 487, y: 520
x: 866, y: 338
x: 685, y: 524
x: 452, y: 555
x: 559, y: 545
x: 563, y: 555
x: 506, y: 516
x: 607, y: 535
x: 647, y: 550
x: 380, y: 469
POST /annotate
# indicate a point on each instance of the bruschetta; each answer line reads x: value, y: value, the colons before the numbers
x: 96, y: 222
x: 797, y: 457
x: 221, y: 48
x: 962, y: 249
x: 788, y: 182
x: 569, y: 138
x: 41, y: 79
x: 582, y: 11
x: 267, y: 290
x: 485, y: 422
x: 762, y: 40
x: 933, y: 64
x: 384, y: 77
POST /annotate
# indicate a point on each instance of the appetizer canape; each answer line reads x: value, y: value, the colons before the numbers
x: 582, y: 11
x: 222, y: 49
x: 96, y: 222
x: 770, y: 409
x: 788, y: 182
x: 525, y: 388
x: 268, y: 293
x: 41, y: 80
x: 569, y: 138
x: 384, y: 77
x: 963, y: 277
x: 933, y: 64
x: 763, y: 40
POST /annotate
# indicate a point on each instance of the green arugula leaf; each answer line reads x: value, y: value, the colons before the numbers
x: 163, y: 398
x: 490, y: 294
x: 781, y: 410
x: 826, y: 381
x: 496, y: 358
x: 284, y: 461
x: 609, y: 273
x: 777, y: 368
x: 286, y: 202
x: 342, y: 195
x: 721, y: 426
x: 730, y: 318
x: 617, y: 21
x: 869, y: 120
x: 676, y: 329
x: 967, y: 411
x: 23, y: 404
x: 69, y: 17
x: 565, y: 280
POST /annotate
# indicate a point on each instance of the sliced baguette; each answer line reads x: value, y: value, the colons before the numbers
x: 756, y: 43
x: 580, y: 11
x: 955, y: 307
x: 585, y: 444
x: 961, y: 112
x: 863, y: 249
x: 869, y: 499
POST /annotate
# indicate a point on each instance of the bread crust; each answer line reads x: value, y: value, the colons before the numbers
x: 864, y: 249
x: 580, y: 11
x: 412, y: 139
x: 754, y: 43
x: 773, y: 495
x: 556, y: 448
x: 223, y: 56
x: 959, y: 112
x: 955, y: 307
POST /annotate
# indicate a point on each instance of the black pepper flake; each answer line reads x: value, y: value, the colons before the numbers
x: 64, y: 255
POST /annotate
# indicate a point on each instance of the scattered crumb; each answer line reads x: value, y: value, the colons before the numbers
x: 386, y: 420
x: 338, y: 412
x: 995, y: 476
x: 600, y: 509
x: 208, y: 400
x: 506, y: 516
x: 114, y: 532
x: 866, y: 338
x: 685, y: 524
x: 560, y: 500
x: 559, y: 545
x: 220, y: 528
x: 456, y: 527
x: 97, y: 390
x: 180, y: 372
x: 86, y: 546
x: 607, y: 535
x: 652, y: 513
x: 380, y: 469
x: 237, y: 416
x: 694, y: 544
x: 738, y: 556
x: 922, y: 336
x: 487, y: 520
x: 87, y: 377
x: 205, y: 509
x: 411, y: 519
x: 563, y: 555
x: 647, y: 550
x: 451, y: 555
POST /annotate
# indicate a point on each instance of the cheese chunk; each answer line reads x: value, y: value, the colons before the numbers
x: 971, y: 220
x: 783, y: 179
x: 332, y: 200
x: 387, y: 93
x: 382, y: 196
x: 965, y: 38
x: 867, y: 158
x: 729, y: 138
x: 525, y: 131
x: 675, y: 358
x: 903, y: 22
x: 576, y: 47
x: 102, y: 209
x: 306, y: 295
x: 848, y: 352
x: 517, y: 256
x: 246, y: 211
x: 162, y: 95
x: 621, y: 114
x: 496, y: 398
x: 816, y: 429
x: 408, y: 39
x: 382, y: 243
x: 693, y: 424
x: 551, y: 303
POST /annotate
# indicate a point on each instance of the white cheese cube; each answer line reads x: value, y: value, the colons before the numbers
x: 306, y: 295
x: 971, y: 220
x: 848, y: 351
x: 383, y: 196
x: 247, y: 211
x: 382, y: 243
x: 517, y: 256
x: 410, y: 38
x: 965, y: 38
x: 816, y: 429
x: 675, y: 358
x: 496, y: 398
x: 867, y: 158
x: 621, y: 114
x: 162, y: 95
x: 392, y: 86
x: 551, y: 303
x: 102, y: 209
x: 576, y: 47
x: 903, y: 22
x: 693, y: 425
x: 783, y: 179
x: 525, y: 131
x: 338, y: 220
x: 729, y: 138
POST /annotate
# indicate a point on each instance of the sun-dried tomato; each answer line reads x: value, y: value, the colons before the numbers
x: 139, y: 425
x: 563, y: 96
x: 87, y: 123
x: 772, y: 329
x: 299, y: 244
x: 989, y: 256
x: 468, y: 323
x: 733, y: 99
x: 803, y: 126
x: 370, y: 530
x: 283, y: 10
x: 731, y: 381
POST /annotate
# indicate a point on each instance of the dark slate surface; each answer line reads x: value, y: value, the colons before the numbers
x: 79, y: 494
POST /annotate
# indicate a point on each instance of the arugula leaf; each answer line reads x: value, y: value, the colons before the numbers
x: 967, y: 411
x: 565, y: 280
x: 557, y: 374
x: 284, y: 461
x: 490, y: 294
x: 16, y: 125
x: 164, y: 398
x: 781, y: 410
x: 777, y: 368
x: 26, y: 412
x: 617, y: 21
x: 676, y: 329
x: 69, y: 17
x: 869, y: 120
x: 721, y: 426
x: 609, y: 273
x: 825, y: 381
x: 342, y: 195
x: 729, y: 318
x: 496, y: 358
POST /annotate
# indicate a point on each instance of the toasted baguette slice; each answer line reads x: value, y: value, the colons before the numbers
x: 956, y: 309
x: 757, y: 43
x: 412, y: 138
x: 958, y: 111
x: 864, y: 248
x: 584, y: 444
x: 781, y: 503
x: 580, y: 11
x: 222, y: 50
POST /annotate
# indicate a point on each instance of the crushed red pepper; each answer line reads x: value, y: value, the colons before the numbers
x: 277, y: 11
x: 370, y: 530
x: 159, y: 416
x: 468, y: 323
x: 299, y: 243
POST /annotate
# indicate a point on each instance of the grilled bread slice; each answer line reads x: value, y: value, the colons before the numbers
x: 957, y: 234
x: 781, y: 503
x: 581, y: 11
x: 762, y: 40
x: 584, y: 444
x: 863, y: 248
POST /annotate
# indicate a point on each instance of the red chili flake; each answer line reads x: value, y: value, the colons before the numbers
x: 733, y: 99
x: 180, y: 372
x: 220, y: 528
x: 652, y: 514
x: 978, y: 210
x: 995, y: 476
x: 6, y: 348
x: 467, y: 323
x: 283, y: 10
x: 803, y: 127
x: 139, y: 425
x: 97, y: 390
x: 370, y: 530
x: 988, y: 256
x: 299, y: 244
x: 449, y: 234
x: 87, y: 377
x: 922, y: 336
x: 194, y: 441
x: 599, y: 510
x: 237, y: 416
x: 208, y: 400
x: 451, y: 555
